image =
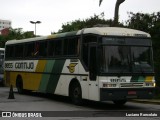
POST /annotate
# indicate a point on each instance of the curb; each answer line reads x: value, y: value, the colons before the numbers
x: 146, y: 101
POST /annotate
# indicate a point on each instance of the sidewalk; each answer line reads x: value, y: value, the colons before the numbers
x: 147, y: 101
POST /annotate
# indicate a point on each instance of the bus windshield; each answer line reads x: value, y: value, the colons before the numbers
x: 141, y: 59
x: 125, y: 59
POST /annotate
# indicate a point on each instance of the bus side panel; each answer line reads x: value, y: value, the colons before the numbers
x: 63, y: 85
x: 10, y: 78
x: 51, y: 76
x: 46, y: 76
x: 31, y: 80
x: 73, y: 69
x: 69, y: 72
x: 84, y: 81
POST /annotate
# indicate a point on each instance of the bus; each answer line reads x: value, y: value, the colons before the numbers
x: 1, y: 66
x: 97, y: 64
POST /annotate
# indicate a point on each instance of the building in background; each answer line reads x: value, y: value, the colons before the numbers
x: 4, y: 26
x: 4, y: 31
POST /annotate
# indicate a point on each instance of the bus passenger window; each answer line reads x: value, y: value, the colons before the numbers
x: 19, y: 51
x: 51, y: 47
x: 42, y: 49
x: 9, y: 51
x: 29, y: 50
x: 58, y: 47
x: 71, y: 46
x: 36, y: 49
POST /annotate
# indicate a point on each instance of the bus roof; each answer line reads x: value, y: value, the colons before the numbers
x: 116, y: 31
x: 110, y: 31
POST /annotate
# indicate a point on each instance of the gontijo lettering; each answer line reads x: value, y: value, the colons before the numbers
x: 24, y: 65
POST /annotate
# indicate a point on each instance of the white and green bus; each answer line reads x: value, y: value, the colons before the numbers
x: 99, y: 64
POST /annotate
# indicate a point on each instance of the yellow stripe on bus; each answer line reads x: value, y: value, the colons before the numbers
x: 41, y: 65
x: 52, y: 36
x: 149, y: 79
x: 32, y: 80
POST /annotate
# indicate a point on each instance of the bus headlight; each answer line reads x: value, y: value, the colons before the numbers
x: 154, y: 84
x: 109, y: 85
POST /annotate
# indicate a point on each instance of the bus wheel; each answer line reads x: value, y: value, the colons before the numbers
x: 19, y: 85
x: 76, y: 93
x: 120, y: 102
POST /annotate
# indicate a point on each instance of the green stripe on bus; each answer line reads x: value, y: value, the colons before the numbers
x: 137, y: 79
x: 46, y: 77
x: 141, y: 79
x: 54, y: 77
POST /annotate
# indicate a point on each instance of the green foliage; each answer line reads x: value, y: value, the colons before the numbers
x: 87, y: 23
x: 15, y: 34
x: 144, y: 22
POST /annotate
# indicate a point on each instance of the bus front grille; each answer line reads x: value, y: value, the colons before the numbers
x: 131, y: 85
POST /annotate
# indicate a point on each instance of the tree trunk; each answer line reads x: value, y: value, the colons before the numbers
x: 117, y: 11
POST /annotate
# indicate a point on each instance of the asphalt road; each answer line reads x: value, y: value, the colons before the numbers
x: 52, y: 107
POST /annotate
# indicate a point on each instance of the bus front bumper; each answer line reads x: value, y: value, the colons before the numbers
x: 126, y: 93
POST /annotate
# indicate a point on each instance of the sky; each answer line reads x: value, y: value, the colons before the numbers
x: 54, y: 13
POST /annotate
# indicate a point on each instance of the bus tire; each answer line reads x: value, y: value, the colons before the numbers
x: 120, y: 102
x: 76, y: 93
x: 19, y: 85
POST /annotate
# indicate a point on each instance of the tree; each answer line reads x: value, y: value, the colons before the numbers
x: 89, y: 22
x: 116, y: 12
x: 15, y: 34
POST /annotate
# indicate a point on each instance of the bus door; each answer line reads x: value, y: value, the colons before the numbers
x: 93, y: 82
